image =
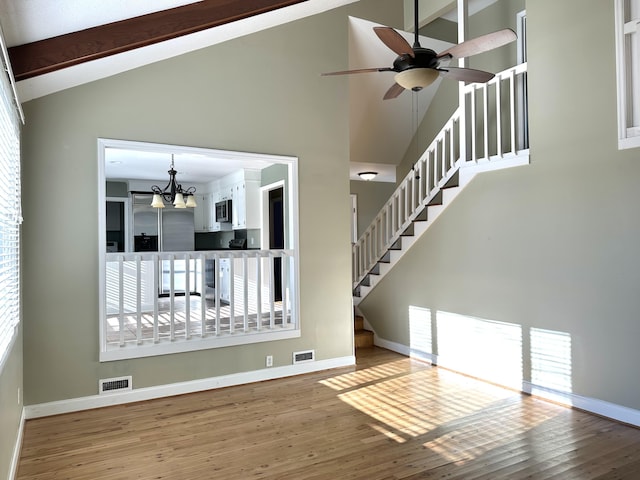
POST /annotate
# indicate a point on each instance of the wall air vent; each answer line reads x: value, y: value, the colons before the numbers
x: 112, y: 385
x: 301, y: 357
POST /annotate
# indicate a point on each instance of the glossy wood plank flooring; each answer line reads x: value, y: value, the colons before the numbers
x: 389, y: 418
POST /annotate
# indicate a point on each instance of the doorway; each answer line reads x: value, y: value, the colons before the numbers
x: 276, y: 236
x: 117, y: 224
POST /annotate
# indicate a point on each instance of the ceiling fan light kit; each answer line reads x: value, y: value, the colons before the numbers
x: 368, y: 175
x: 417, y: 67
x: 417, y: 78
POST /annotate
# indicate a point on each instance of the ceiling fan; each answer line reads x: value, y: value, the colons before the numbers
x: 417, y: 67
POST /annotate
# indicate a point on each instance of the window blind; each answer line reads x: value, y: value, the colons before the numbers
x: 10, y: 212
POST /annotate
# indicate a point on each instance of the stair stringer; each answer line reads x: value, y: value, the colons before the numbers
x: 464, y: 174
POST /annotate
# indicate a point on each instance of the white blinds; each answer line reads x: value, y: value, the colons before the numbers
x: 10, y: 215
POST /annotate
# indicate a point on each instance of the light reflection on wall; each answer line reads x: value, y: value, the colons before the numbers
x: 420, y: 340
x: 494, y: 351
x: 483, y: 348
x: 551, y: 360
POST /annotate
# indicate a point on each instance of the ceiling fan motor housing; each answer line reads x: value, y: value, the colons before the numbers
x: 424, y: 58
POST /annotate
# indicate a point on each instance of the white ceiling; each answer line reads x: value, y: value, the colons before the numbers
x: 152, y: 162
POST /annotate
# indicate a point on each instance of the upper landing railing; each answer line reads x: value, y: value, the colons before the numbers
x: 492, y: 120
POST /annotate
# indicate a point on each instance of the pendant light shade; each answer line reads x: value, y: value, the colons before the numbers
x: 157, y: 201
x: 178, y: 202
x: 191, y: 201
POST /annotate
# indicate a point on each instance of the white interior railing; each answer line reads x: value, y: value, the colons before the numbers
x: 160, y: 297
x: 493, y: 121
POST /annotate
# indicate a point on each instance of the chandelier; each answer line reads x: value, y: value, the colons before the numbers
x: 173, y: 193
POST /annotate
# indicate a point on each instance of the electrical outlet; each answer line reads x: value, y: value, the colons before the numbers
x: 269, y: 361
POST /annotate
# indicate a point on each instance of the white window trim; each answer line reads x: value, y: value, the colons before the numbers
x: 627, y: 137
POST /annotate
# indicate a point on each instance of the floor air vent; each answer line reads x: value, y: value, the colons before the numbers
x: 112, y: 385
x: 301, y: 357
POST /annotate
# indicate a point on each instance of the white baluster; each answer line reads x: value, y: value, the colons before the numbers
x: 172, y: 305
x: 121, y: 298
x: 498, y: 117
x: 258, y: 291
x: 485, y: 113
x: 512, y: 110
x: 474, y: 125
x: 245, y: 290
x: 203, y: 299
x: 187, y: 296
x: 157, y: 263
x: 272, y: 295
x: 216, y: 272
x: 138, y: 299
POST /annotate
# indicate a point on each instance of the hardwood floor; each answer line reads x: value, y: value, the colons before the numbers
x: 388, y: 418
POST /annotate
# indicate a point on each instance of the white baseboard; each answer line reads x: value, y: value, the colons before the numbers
x: 149, y: 393
x: 13, y: 469
x: 593, y: 405
x: 404, y: 350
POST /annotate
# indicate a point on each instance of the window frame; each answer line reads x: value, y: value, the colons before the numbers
x: 10, y: 161
x: 628, y: 135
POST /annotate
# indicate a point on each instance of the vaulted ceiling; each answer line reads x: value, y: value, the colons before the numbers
x: 61, y: 51
x: 61, y: 44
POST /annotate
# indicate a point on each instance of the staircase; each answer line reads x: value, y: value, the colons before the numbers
x: 488, y: 132
x: 362, y: 338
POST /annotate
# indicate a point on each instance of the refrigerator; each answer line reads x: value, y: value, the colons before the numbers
x: 166, y: 229
x: 170, y: 229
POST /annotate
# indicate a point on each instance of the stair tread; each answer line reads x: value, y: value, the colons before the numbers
x: 363, y: 338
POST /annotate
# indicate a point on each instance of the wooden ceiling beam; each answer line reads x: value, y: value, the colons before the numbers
x: 45, y: 56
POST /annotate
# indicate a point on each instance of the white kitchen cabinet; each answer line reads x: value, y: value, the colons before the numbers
x: 202, y: 213
x: 245, y: 202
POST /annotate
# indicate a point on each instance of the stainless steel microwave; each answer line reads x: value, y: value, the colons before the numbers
x: 223, y: 211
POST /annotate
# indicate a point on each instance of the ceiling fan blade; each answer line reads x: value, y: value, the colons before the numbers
x: 359, y: 70
x: 480, y: 44
x: 468, y: 75
x: 393, y: 92
x: 394, y: 40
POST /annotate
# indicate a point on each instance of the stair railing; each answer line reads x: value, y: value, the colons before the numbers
x: 496, y: 116
x: 495, y: 120
x: 415, y: 191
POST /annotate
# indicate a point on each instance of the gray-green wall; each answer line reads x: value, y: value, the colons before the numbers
x: 208, y: 98
x: 552, y: 245
x: 370, y: 198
